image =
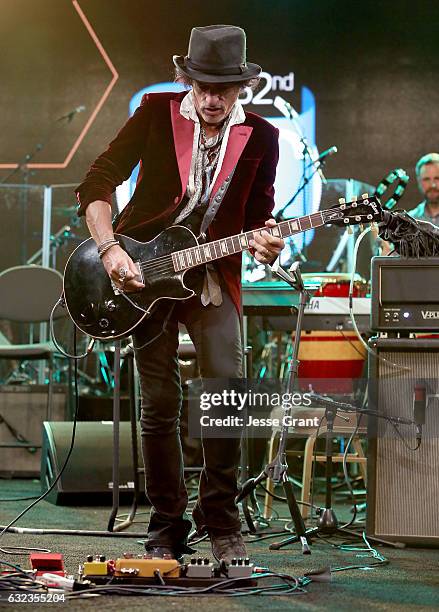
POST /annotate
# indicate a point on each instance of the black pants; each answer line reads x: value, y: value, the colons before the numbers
x: 215, y: 332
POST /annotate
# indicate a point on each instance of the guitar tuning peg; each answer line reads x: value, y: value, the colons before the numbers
x: 354, y: 198
x: 361, y: 227
x: 349, y: 228
x: 365, y: 196
x: 341, y: 201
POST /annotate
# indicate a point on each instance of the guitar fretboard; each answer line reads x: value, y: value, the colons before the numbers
x: 195, y: 256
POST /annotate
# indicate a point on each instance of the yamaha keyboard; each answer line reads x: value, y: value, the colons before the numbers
x: 272, y: 302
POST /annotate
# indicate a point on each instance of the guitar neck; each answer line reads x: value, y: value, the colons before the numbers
x: 195, y: 256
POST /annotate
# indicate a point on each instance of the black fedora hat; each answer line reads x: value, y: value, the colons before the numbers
x: 216, y: 54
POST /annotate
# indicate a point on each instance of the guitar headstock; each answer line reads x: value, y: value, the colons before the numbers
x: 366, y: 209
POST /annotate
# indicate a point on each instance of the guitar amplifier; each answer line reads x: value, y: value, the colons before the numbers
x: 403, y: 484
x: 405, y: 294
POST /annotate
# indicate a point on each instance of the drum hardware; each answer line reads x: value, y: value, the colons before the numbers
x: 335, y: 284
x: 328, y: 289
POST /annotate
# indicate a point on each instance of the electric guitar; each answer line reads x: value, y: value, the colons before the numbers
x: 104, y: 312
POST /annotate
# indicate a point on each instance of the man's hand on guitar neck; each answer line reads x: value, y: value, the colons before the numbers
x: 116, y: 260
x: 265, y: 246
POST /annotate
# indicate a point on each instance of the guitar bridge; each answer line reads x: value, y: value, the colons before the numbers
x: 115, y: 288
x: 140, y: 276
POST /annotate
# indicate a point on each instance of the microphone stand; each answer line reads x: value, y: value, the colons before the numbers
x: 22, y: 166
x: 26, y: 173
x: 327, y: 523
x: 279, y: 216
x: 24, y: 196
x: 277, y: 470
x: 289, y: 112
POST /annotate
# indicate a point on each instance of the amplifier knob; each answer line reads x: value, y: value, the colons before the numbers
x: 104, y: 323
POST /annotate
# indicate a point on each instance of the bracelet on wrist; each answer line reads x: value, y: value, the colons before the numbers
x: 105, y: 242
x: 106, y: 247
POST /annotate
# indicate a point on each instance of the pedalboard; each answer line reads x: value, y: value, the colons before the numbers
x: 146, y: 569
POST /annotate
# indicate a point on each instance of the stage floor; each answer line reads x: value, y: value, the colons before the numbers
x: 408, y: 582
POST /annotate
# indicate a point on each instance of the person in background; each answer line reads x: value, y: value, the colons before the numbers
x: 427, y: 175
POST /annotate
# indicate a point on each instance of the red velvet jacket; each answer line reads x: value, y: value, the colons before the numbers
x: 161, y: 138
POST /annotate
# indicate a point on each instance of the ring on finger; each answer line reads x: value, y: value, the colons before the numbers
x: 122, y: 274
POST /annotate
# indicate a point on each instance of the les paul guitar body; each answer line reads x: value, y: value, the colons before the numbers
x: 101, y: 311
x: 98, y: 309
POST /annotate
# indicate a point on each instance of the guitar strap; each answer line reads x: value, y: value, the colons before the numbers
x: 211, y: 210
x: 215, y: 203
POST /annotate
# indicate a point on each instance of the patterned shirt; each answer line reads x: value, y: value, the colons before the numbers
x: 188, y: 111
x: 207, y: 158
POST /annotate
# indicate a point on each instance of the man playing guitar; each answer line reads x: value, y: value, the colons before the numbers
x: 208, y: 165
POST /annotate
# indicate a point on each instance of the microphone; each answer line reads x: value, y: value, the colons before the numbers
x: 285, y: 108
x: 325, y: 154
x: 419, y: 405
x: 69, y: 116
x: 320, y: 161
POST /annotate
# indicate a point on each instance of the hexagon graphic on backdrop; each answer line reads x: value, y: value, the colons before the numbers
x: 61, y: 165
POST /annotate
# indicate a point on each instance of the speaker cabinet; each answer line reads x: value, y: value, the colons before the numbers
x: 88, y: 475
x: 403, y: 484
x: 22, y: 412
